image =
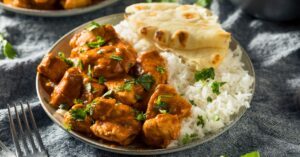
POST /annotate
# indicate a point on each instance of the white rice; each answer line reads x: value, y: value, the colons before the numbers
x: 235, y: 94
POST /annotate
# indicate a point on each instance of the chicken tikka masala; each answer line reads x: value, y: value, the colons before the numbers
x: 110, y: 92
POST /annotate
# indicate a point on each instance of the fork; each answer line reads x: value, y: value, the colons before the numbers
x: 20, y: 135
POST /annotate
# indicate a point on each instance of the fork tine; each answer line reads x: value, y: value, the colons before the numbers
x: 13, y: 132
x: 22, y: 135
x: 37, y: 134
x: 34, y: 148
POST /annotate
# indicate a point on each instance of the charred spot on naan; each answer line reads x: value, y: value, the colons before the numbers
x: 162, y: 37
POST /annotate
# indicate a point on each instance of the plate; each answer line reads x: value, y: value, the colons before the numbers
x: 63, y: 45
x: 57, y: 13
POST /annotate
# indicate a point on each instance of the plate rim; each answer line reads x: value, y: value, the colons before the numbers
x: 57, y: 13
x: 144, y: 151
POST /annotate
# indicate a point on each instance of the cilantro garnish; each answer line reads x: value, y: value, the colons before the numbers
x: 7, y: 49
x: 146, y: 81
x: 101, y: 80
x: 204, y: 74
x: 215, y: 86
x: 62, y: 56
x: 188, y: 138
x: 95, y: 44
x: 117, y: 58
x: 160, y: 69
x: 200, y: 121
x: 93, y: 25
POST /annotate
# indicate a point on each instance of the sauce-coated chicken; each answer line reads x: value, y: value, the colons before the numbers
x: 68, y: 88
x: 159, y: 131
x: 109, y: 90
x: 166, y: 99
x: 52, y: 67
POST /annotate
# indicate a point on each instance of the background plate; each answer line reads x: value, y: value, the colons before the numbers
x: 63, y: 45
x: 57, y: 13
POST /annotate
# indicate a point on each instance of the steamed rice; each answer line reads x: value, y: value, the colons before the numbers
x: 235, y: 94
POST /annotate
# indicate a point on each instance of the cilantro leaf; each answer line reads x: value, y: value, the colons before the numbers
x: 252, y: 154
x: 79, y: 64
x: 78, y: 101
x: 204, y: 74
x: 187, y: 138
x: 193, y: 102
x: 160, y: 69
x: 101, y: 80
x: 90, y: 72
x: 209, y: 99
x: 62, y: 56
x: 204, y: 3
x: 160, y: 105
x: 117, y: 58
x: 215, y: 86
x: 146, y: 81
x: 95, y: 44
x: 127, y: 86
x: 93, y: 25
x: 140, y: 116
x: 88, y: 87
x: 108, y: 94
x: 7, y: 48
x: 78, y: 114
x: 200, y: 121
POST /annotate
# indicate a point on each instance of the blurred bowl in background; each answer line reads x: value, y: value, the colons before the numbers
x: 274, y: 10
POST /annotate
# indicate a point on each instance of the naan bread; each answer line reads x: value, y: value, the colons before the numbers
x: 189, y: 31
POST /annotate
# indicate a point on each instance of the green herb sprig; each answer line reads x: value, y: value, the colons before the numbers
x: 7, y: 49
x: 95, y: 44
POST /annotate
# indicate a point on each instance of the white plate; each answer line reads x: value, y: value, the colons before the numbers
x: 63, y: 45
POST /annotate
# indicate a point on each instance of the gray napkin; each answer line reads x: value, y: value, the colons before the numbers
x: 271, y: 125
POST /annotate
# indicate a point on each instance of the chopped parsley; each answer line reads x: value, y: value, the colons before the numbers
x: 88, y: 87
x: 95, y: 44
x: 101, y: 80
x: 187, y: 138
x: 117, y: 58
x: 160, y: 69
x: 90, y: 72
x: 160, y: 105
x: 108, y: 94
x: 140, y: 116
x: 7, y: 49
x: 252, y: 154
x: 127, y: 86
x: 146, y: 81
x: 62, y: 56
x: 204, y: 3
x: 78, y: 101
x: 79, y: 64
x: 93, y: 25
x: 89, y: 109
x: 64, y: 106
x: 200, y: 121
x: 209, y: 99
x: 192, y: 102
x: 78, y: 114
x: 215, y: 86
x: 205, y: 74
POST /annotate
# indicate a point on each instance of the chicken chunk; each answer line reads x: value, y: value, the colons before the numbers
x: 166, y: 100
x: 44, y: 4
x: 119, y: 125
x: 126, y: 90
x: 153, y: 63
x: 102, y: 108
x: 92, y: 89
x: 71, y: 4
x: 109, y: 61
x: 18, y: 3
x: 123, y: 133
x: 159, y: 131
x: 107, y: 32
x: 52, y: 67
x: 68, y: 88
x: 75, y: 120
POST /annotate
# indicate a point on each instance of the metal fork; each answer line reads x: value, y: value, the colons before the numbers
x: 22, y: 136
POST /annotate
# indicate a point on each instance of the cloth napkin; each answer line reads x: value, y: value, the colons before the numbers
x: 271, y: 125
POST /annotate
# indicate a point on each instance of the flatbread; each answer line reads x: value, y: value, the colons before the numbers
x: 187, y: 30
